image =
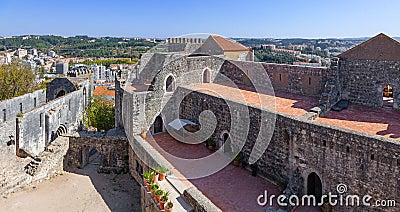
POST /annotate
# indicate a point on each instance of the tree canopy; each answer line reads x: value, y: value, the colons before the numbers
x: 100, y: 114
x: 16, y: 80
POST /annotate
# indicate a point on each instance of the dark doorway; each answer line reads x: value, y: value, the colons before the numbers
x: 170, y: 84
x: 158, y: 125
x: 314, y: 185
x: 206, y: 76
x: 388, y: 95
x: 227, y: 143
x: 60, y: 93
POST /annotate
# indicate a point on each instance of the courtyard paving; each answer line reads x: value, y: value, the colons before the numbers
x: 79, y: 190
x: 231, y: 189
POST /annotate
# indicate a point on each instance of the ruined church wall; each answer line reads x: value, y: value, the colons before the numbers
x: 12, y: 107
x: 362, y: 80
x: 38, y: 127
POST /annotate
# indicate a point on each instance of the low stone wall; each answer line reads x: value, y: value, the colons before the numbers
x: 9, y: 109
x: 113, y: 152
x: 198, y: 201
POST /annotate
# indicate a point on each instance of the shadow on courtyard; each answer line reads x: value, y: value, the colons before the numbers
x: 119, y: 191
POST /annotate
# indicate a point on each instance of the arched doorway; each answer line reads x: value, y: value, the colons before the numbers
x: 314, y: 185
x: 60, y: 93
x: 206, y: 76
x: 226, y: 142
x: 158, y: 125
x: 170, y: 84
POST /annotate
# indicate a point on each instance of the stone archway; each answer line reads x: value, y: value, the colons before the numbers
x: 206, y: 76
x: 158, y: 125
x: 170, y: 84
x: 314, y: 185
x: 226, y: 142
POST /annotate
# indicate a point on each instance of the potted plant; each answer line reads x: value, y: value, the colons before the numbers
x: 146, y: 179
x: 210, y: 144
x: 154, y: 187
x: 169, y: 206
x: 154, y: 176
x: 158, y: 195
x: 164, y: 199
x: 236, y: 160
x: 161, y: 173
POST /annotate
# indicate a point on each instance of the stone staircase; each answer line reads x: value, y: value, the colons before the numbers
x: 331, y: 95
x: 32, y: 167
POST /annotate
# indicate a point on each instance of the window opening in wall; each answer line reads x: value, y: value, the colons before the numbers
x: 170, y: 84
x: 20, y: 107
x: 388, y: 95
x: 309, y: 81
x: 4, y: 115
x: 280, y: 77
x: 34, y: 102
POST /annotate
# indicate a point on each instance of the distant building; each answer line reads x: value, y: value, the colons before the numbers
x: 107, y: 92
x: 34, y: 52
x: 51, y: 54
x: 268, y: 46
x: 62, y: 68
x: 297, y: 47
x: 217, y: 45
x: 185, y: 40
x: 22, y: 53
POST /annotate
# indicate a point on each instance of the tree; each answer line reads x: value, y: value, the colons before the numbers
x: 100, y: 114
x: 15, y: 80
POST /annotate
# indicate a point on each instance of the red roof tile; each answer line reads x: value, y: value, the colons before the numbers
x: 229, y: 45
x: 380, y: 47
x: 103, y: 91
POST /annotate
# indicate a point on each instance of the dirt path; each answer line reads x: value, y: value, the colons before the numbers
x: 83, y: 190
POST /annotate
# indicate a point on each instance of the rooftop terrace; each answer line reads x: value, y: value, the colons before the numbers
x: 375, y: 121
x: 286, y: 103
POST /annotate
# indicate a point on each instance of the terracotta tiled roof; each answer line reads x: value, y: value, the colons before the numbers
x: 229, y: 45
x: 103, y: 91
x: 380, y: 47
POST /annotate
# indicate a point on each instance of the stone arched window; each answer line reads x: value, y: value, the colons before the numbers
x: 170, y: 84
x: 206, y: 76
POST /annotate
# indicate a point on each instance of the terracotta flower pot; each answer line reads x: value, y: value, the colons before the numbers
x: 162, y: 204
x: 155, y: 178
x: 144, y: 134
x: 168, y: 209
x: 148, y: 187
x: 157, y: 198
x: 236, y: 163
x: 161, y: 177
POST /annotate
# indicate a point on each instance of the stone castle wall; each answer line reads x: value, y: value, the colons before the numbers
x: 113, y: 152
x: 38, y: 127
x: 366, y: 164
x: 362, y: 80
x: 12, y: 107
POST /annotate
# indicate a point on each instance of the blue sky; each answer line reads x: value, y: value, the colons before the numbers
x: 168, y: 18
